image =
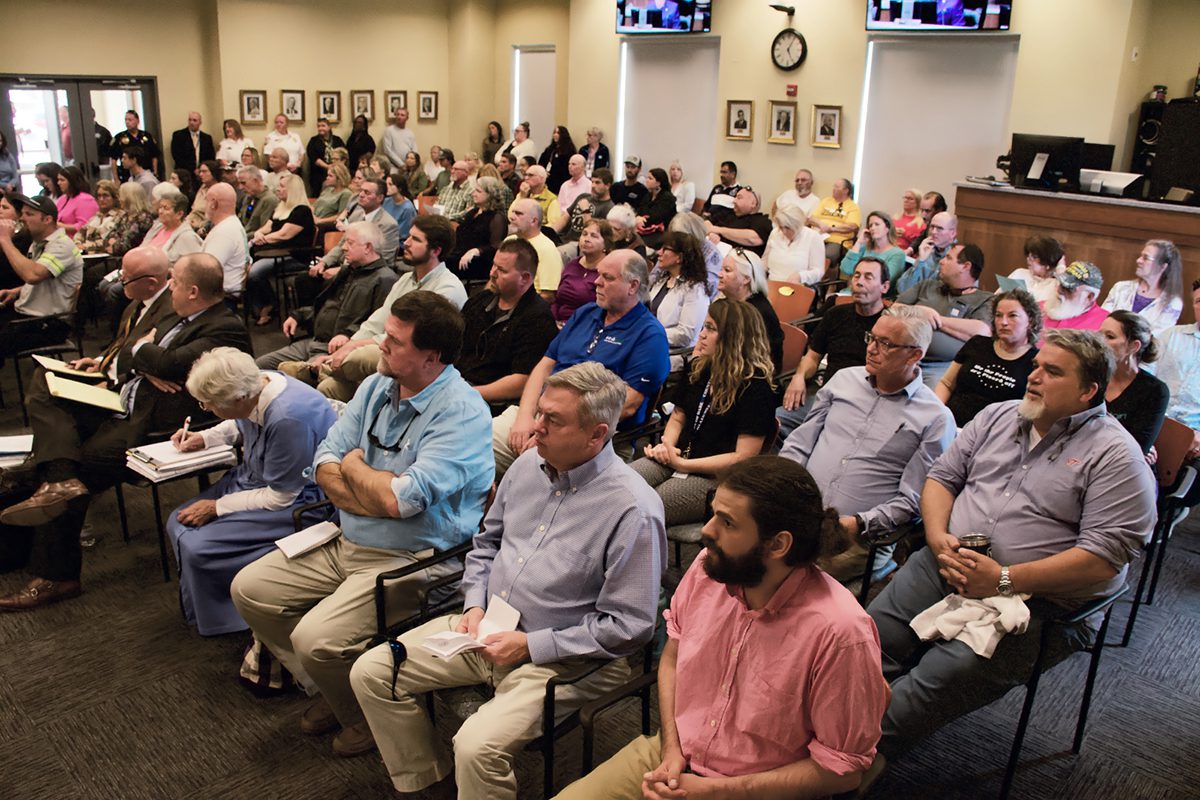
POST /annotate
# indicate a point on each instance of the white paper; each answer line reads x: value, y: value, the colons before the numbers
x: 500, y: 617
x: 308, y: 539
x: 12, y: 445
x: 163, y: 455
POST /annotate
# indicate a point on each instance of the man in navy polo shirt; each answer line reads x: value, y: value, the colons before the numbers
x: 618, y: 331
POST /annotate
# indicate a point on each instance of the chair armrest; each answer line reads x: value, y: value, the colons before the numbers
x: 1088, y: 609
x: 299, y: 511
x: 571, y: 676
x: 588, y: 712
x: 1186, y: 479
x: 883, y: 539
x: 382, y: 579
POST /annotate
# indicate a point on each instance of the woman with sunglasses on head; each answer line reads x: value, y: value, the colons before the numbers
x: 724, y: 412
x: 679, y: 292
x: 743, y: 277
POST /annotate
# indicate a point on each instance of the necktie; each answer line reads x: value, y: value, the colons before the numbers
x: 115, y: 348
x: 196, y: 146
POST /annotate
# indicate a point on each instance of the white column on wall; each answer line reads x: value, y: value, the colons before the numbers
x: 534, y: 90
x: 668, y: 104
x: 935, y: 109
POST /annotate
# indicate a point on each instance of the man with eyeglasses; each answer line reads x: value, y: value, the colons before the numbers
x: 409, y: 467
x: 745, y: 227
x: 839, y: 217
x: 871, y: 436
x: 931, y: 203
x: 940, y: 235
x: 79, y: 449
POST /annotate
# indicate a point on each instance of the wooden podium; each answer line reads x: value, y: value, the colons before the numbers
x: 1108, y: 231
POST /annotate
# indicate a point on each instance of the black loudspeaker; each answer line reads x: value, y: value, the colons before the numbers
x: 1177, y: 160
x: 1145, y: 141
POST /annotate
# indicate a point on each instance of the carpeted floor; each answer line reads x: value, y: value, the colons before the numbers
x: 112, y: 696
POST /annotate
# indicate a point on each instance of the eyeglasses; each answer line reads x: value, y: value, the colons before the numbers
x: 397, y: 445
x: 885, y: 345
x: 127, y: 281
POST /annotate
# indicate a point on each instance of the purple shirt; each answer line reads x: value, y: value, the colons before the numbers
x: 576, y: 288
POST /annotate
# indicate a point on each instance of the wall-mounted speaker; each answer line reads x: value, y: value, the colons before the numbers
x: 1145, y: 144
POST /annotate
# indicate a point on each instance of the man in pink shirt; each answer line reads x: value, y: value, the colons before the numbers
x: 579, y: 183
x: 1075, y: 307
x: 770, y: 684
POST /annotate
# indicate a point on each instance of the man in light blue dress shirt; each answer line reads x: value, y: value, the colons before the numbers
x: 574, y: 542
x: 1178, y: 367
x: 409, y: 466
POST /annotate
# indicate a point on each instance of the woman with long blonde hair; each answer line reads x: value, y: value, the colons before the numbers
x: 292, y: 227
x: 724, y: 411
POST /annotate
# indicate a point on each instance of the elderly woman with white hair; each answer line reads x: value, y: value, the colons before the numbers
x: 623, y: 221
x: 595, y: 152
x: 279, y: 422
x: 795, y: 252
x: 743, y: 277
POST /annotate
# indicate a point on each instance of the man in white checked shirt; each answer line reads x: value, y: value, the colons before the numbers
x: 574, y: 542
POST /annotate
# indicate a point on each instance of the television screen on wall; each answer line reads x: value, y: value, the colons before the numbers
x: 664, y: 16
x: 938, y: 16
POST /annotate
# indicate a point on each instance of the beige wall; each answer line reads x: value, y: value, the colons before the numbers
x: 529, y: 22
x: 1170, y: 54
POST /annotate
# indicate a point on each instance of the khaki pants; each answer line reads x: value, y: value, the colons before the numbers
x: 619, y: 778
x: 341, y: 383
x: 316, y: 612
x: 488, y: 740
x: 849, y: 564
x: 501, y: 427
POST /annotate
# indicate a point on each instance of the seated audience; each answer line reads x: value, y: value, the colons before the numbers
x: 226, y: 241
x: 91, y: 236
x: 657, y: 207
x: 992, y: 369
x: 507, y: 166
x: 1179, y: 353
x: 525, y: 222
x: 208, y: 173
x: 800, y: 196
x: 256, y: 206
x: 20, y: 239
x: 577, y: 513
x: 594, y: 204
x: 353, y: 360
x: 286, y: 140
x: 1157, y: 291
x: 683, y: 191
x: 745, y: 227
x: 230, y: 149
x: 442, y: 178
x: 678, y: 293
x: 320, y: 155
x: 1135, y: 398
x: 839, y: 339
x: 416, y: 178
x: 51, y: 271
x: 955, y: 305
x: 617, y: 331
x: 250, y: 158
x: 722, y: 412
x: 367, y: 206
x: 623, y: 221
x: 932, y: 204
x: 182, y: 180
x: 408, y: 467
x: 577, y: 287
x: 757, y: 625
x: 171, y: 234
x: 277, y: 168
x: 795, y: 252
x: 481, y: 231
x: 1074, y: 305
x: 79, y: 450
x: 693, y: 225
x: 556, y: 157
x: 76, y: 205
x: 595, y: 152
x: 136, y: 162
x: 877, y: 238
x: 398, y: 204
x: 631, y: 190
x: 133, y: 222
x: 508, y: 327
x: 455, y: 196
x: 279, y: 422
x: 909, y: 222
x: 838, y: 217
x: 941, y: 235
x: 292, y: 228
x: 720, y: 197
x: 334, y: 197
x: 533, y: 187
x: 1043, y: 254
x: 359, y: 288
x: 1060, y: 537
x: 576, y: 185
x: 743, y: 278
x: 871, y: 436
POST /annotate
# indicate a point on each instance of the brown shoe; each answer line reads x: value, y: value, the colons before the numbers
x: 47, y: 503
x: 354, y: 741
x: 40, y: 592
x: 318, y: 719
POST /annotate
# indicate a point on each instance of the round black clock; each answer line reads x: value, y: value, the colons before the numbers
x: 789, y: 49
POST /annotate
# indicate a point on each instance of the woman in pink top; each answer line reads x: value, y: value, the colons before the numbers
x: 909, y: 223
x: 75, y: 205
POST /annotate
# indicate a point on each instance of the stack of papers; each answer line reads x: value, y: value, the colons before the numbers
x: 14, y: 449
x: 161, y: 461
x: 500, y: 617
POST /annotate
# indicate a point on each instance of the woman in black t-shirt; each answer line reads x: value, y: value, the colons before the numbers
x: 991, y: 369
x: 292, y: 227
x: 1135, y: 398
x: 723, y: 414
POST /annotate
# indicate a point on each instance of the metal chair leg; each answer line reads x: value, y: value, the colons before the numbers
x: 162, y: 534
x: 16, y: 362
x: 1147, y: 560
x: 121, y: 511
x: 1093, y: 668
x: 1159, y: 557
x: 1014, y: 755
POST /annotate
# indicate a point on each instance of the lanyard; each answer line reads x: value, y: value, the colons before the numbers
x: 702, y: 408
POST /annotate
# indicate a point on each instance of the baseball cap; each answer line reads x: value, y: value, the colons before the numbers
x: 1081, y: 273
x: 637, y: 162
x: 40, y: 203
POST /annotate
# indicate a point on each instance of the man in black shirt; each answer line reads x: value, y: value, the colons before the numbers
x: 508, y: 327
x: 631, y: 190
x: 720, y: 200
x: 840, y: 338
x: 745, y: 227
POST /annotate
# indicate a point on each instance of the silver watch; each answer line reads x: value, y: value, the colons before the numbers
x: 1006, y: 586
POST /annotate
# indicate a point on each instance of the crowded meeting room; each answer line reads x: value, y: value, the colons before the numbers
x: 831, y: 372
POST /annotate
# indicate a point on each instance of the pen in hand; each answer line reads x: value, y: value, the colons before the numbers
x: 181, y: 442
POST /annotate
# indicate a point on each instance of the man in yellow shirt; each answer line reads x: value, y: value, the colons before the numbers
x: 839, y: 217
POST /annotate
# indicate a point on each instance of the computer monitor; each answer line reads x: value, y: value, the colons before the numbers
x: 1098, y: 156
x: 1046, y: 162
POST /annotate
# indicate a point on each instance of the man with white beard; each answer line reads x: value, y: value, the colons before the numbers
x: 1075, y: 307
x: 1067, y: 500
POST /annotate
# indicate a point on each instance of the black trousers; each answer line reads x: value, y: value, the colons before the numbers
x: 22, y: 332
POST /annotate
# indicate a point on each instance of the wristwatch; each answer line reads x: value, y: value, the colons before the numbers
x: 1006, y: 586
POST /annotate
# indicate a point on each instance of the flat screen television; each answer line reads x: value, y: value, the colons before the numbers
x: 664, y: 16
x: 938, y: 16
x: 1046, y: 162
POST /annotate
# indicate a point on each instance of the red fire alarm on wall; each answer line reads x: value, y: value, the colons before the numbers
x: 791, y: 90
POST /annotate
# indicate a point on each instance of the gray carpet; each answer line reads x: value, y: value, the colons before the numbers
x: 113, y: 696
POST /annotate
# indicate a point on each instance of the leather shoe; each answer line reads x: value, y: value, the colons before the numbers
x: 318, y: 719
x: 47, y: 503
x: 354, y: 741
x: 40, y: 592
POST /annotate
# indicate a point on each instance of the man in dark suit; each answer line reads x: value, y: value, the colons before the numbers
x: 79, y: 449
x: 190, y: 145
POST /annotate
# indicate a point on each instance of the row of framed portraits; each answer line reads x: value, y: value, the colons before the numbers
x: 253, y: 105
x: 782, y: 123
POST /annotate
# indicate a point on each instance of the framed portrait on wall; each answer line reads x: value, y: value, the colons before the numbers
x: 739, y: 120
x: 291, y: 104
x: 253, y: 106
x: 827, y: 126
x: 395, y: 100
x: 329, y: 106
x: 362, y: 101
x: 781, y: 122
x: 427, y: 105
